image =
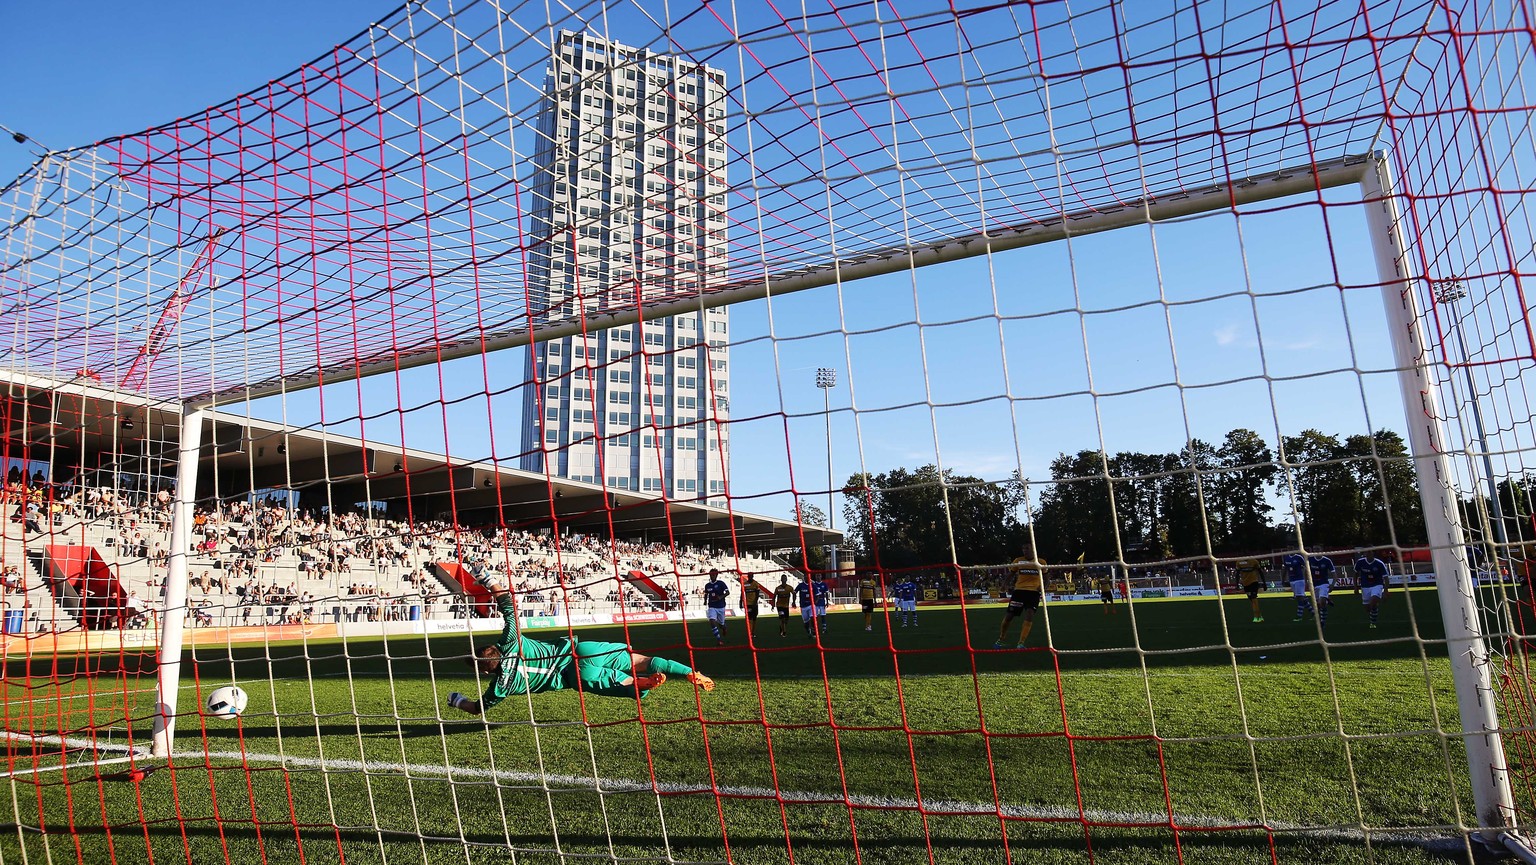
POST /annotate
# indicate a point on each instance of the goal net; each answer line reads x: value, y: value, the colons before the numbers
x: 726, y: 432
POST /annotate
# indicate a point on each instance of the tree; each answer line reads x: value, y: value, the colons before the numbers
x: 1245, y: 470
x: 1194, y: 527
x: 1390, y: 505
x: 924, y: 517
x: 812, y: 558
x: 1138, y: 487
x: 1075, y: 517
x: 1326, y: 491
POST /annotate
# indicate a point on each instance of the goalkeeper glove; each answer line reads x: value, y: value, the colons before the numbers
x: 456, y: 700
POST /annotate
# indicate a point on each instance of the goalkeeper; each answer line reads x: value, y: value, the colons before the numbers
x: 522, y: 665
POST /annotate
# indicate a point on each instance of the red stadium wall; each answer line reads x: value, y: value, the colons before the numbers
x: 644, y: 583
x: 456, y: 577
x: 103, y: 602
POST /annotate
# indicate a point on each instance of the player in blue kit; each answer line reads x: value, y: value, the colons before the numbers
x: 820, y: 593
x: 805, y: 599
x: 715, y: 594
x: 1295, y: 568
x: 905, y: 593
x: 1322, y: 580
x: 1371, y: 574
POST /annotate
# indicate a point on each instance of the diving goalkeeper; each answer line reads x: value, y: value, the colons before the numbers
x: 522, y: 665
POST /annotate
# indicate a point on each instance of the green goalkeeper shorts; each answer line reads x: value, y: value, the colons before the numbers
x: 601, y: 667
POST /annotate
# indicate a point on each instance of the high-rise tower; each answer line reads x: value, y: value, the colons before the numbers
x: 629, y: 206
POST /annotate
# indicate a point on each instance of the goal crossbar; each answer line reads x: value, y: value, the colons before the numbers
x: 1153, y: 208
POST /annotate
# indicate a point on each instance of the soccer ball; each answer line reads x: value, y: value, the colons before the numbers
x: 227, y: 703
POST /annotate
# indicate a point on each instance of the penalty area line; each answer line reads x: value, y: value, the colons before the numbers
x: 547, y: 783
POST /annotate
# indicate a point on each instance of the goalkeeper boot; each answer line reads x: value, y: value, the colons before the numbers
x: 650, y: 682
x: 701, y: 680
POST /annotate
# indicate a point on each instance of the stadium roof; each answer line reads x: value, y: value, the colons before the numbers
x: 78, y: 422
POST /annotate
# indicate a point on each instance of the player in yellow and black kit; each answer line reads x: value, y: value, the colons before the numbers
x: 1251, y: 575
x: 1027, y: 583
x: 751, y: 596
x: 1107, y: 595
x: 868, y: 586
x: 783, y: 597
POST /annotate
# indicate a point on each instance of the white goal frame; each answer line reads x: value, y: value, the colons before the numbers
x: 1465, y: 641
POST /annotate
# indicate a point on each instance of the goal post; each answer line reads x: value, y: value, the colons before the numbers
x: 1471, y: 657
x: 1105, y: 331
x: 1471, y: 660
x: 175, y: 610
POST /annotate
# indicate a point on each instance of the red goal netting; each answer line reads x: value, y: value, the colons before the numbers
x: 1014, y: 367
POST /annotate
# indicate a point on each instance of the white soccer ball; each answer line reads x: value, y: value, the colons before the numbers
x: 227, y: 703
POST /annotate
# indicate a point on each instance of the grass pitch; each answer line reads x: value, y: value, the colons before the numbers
x: 1172, y: 731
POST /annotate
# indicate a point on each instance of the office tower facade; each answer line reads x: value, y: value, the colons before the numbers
x: 629, y: 205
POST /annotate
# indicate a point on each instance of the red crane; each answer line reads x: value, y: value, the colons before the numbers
x: 198, y: 275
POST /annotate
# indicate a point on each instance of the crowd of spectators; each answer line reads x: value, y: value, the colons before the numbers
x: 256, y: 562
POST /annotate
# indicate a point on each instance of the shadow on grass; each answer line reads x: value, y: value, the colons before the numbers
x: 1191, y: 633
x: 302, y: 730
x: 1156, y: 844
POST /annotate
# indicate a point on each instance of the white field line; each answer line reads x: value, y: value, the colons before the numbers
x: 1437, y: 839
x: 85, y: 765
x: 84, y: 695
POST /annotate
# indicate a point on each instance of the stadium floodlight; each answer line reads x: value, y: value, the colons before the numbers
x: 826, y: 379
x: 1448, y: 294
x: 1095, y: 282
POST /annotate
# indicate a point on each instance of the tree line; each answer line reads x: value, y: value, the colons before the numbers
x: 1233, y: 498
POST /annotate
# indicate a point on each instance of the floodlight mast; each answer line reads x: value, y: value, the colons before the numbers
x: 826, y: 379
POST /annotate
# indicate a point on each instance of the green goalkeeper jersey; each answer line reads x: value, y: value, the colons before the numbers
x: 528, y: 666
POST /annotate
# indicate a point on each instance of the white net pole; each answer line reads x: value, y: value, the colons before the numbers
x: 1468, y: 651
x: 189, y: 444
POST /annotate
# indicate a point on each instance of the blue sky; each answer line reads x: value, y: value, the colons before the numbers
x: 1245, y: 313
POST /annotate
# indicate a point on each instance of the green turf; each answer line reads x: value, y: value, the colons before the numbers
x: 1231, y: 722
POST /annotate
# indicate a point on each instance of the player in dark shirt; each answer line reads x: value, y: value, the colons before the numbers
x: 1372, y: 575
x: 868, y: 588
x: 1295, y: 568
x: 1322, y: 584
x: 715, y: 594
x: 751, y: 596
x: 783, y: 599
x: 906, y: 600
